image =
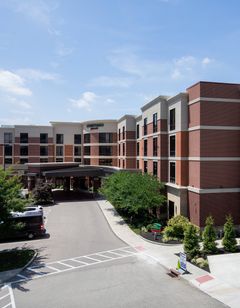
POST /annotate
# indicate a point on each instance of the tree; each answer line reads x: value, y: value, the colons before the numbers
x: 229, y: 241
x: 209, y: 237
x: 42, y: 193
x: 133, y: 194
x: 176, y: 227
x: 10, y: 194
x: 191, y: 241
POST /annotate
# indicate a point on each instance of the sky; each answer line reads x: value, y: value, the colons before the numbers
x: 77, y: 60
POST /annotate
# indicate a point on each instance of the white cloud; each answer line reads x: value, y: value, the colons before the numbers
x: 13, y: 83
x: 36, y: 75
x: 17, y: 103
x: 85, y: 101
x: 40, y: 12
x: 64, y: 51
x: 206, y: 61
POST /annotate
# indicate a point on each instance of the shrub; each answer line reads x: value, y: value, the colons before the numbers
x: 229, y: 241
x: 176, y: 227
x: 191, y: 241
x: 209, y: 237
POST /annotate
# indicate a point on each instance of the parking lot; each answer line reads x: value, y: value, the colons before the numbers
x: 83, y: 264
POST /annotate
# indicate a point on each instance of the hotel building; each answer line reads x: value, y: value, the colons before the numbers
x: 190, y: 141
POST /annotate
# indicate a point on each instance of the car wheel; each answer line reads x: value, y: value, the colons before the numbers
x: 30, y: 236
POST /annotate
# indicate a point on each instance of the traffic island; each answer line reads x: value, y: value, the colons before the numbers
x: 14, y: 261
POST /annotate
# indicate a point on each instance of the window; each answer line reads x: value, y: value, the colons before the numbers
x: 105, y: 151
x: 87, y: 161
x: 43, y: 160
x: 77, y: 139
x: 137, y: 148
x: 155, y: 168
x: 87, y: 151
x: 145, y: 147
x: 119, y: 149
x: 7, y: 150
x: 59, y: 139
x: 23, y: 137
x: 105, y: 137
x: 77, y: 160
x: 8, y: 161
x: 59, y: 160
x: 59, y: 150
x: 119, y: 134
x: 154, y: 146
x: 172, y: 172
x: 172, y: 146
x: 145, y: 126
x: 137, y: 164
x: 8, y: 137
x: 105, y: 162
x: 137, y: 131
x: 23, y: 161
x: 154, y: 122
x: 86, y: 138
x: 172, y: 119
x: 145, y: 166
x: 123, y: 132
x: 24, y: 150
x: 43, y: 150
x: 77, y: 151
x: 43, y: 138
x: 123, y: 149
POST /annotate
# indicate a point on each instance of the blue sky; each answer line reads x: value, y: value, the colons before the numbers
x: 75, y: 60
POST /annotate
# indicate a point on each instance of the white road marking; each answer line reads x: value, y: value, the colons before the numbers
x: 10, y: 301
x: 117, y: 254
x: 82, y: 263
x: 67, y: 265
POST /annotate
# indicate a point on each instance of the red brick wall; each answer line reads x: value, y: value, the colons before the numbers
x: 130, y: 148
x: 216, y: 174
x: 94, y: 161
x: 163, y: 140
x: 33, y: 150
x: 182, y: 172
x: 194, y: 115
x: 130, y: 134
x: 194, y: 143
x: 219, y: 205
x: 131, y: 163
x: 182, y: 144
x: 1, y: 150
x: 220, y: 113
x: 94, y: 151
x: 194, y: 207
x: 68, y: 150
x: 94, y: 137
x: 194, y: 91
x: 163, y: 170
x: 194, y: 173
x: 220, y: 143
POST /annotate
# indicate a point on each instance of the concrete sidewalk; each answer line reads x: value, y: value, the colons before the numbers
x: 166, y: 256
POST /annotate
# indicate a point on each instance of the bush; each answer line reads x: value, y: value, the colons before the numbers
x: 229, y: 241
x: 209, y: 237
x: 191, y: 241
x: 176, y: 227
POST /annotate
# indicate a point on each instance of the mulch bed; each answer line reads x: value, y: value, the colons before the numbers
x: 150, y: 236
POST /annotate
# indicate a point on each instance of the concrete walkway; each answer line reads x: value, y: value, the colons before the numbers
x: 166, y: 256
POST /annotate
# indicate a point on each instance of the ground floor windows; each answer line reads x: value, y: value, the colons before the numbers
x: 170, y: 209
x: 24, y: 161
x: 105, y: 162
x: 86, y: 161
x: 43, y: 160
x: 145, y: 166
x: 59, y: 160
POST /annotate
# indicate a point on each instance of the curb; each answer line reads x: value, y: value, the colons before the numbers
x: 6, y: 275
x: 156, y: 243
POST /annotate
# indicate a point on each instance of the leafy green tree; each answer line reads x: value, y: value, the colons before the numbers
x: 42, y: 193
x: 209, y: 236
x: 133, y: 194
x: 176, y: 227
x: 10, y: 194
x: 229, y: 240
x: 191, y: 241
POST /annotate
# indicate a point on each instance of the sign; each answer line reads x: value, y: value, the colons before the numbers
x: 95, y: 125
x: 183, y: 261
